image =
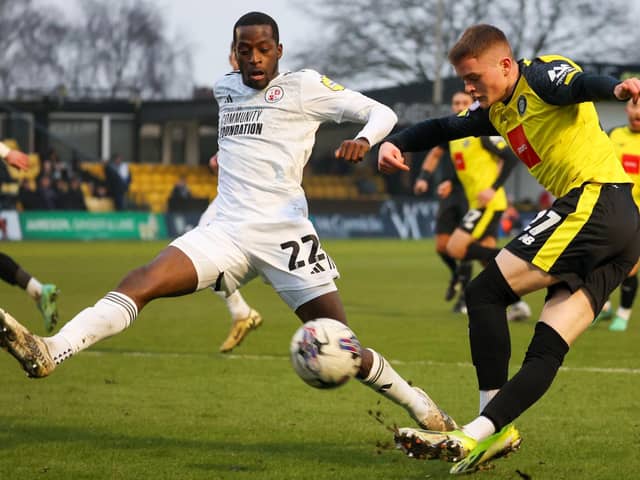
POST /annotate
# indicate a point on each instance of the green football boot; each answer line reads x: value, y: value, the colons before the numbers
x: 48, y: 307
x: 619, y: 324
x: 497, y: 445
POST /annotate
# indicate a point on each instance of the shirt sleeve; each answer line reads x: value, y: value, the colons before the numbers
x: 323, y: 99
x: 560, y: 81
x: 425, y: 135
x: 499, y: 147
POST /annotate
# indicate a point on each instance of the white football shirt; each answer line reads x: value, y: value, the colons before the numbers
x: 265, y: 139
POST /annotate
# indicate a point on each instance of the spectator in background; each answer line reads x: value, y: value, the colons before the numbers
x: 118, y: 179
x: 180, y: 195
x: 61, y: 188
x: 46, y: 194
x: 70, y: 195
x: 27, y: 195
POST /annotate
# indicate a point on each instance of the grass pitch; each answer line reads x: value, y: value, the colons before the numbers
x: 159, y: 402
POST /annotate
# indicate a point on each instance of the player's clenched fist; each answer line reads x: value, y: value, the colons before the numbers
x: 353, y: 150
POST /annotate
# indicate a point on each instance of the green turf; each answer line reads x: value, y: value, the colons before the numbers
x: 159, y: 402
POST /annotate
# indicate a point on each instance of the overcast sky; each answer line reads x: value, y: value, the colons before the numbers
x: 206, y: 25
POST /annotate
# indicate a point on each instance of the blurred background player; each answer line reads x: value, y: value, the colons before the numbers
x: 261, y: 226
x: 452, y: 205
x: 626, y: 141
x: 44, y: 295
x: 482, y: 164
x: 12, y: 273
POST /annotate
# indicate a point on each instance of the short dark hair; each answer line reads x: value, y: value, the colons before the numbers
x: 475, y: 40
x: 257, y: 18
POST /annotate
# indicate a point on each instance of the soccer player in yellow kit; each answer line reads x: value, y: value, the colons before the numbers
x: 482, y: 165
x: 580, y: 249
x: 626, y: 141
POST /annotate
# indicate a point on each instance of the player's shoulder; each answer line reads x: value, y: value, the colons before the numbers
x: 617, y: 131
x: 312, y: 78
x: 549, y: 70
x: 228, y: 80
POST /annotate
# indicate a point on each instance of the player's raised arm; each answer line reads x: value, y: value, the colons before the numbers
x: 432, y: 132
x: 14, y: 158
x: 380, y: 120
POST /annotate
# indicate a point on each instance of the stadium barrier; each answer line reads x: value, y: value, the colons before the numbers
x: 62, y: 225
x: 404, y: 218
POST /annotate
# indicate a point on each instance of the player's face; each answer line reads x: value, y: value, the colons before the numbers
x: 460, y: 101
x: 633, y: 114
x: 486, y: 77
x: 257, y: 55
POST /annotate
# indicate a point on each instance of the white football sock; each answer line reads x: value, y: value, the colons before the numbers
x: 237, y: 306
x: 109, y: 316
x: 485, y: 397
x: 480, y: 428
x: 386, y: 381
x: 624, y: 313
x: 607, y: 306
x: 34, y: 288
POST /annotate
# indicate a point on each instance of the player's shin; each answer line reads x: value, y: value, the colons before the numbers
x: 488, y: 296
x: 109, y: 316
x: 544, y: 356
x: 385, y: 380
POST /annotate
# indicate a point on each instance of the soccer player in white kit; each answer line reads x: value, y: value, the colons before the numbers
x: 267, y: 128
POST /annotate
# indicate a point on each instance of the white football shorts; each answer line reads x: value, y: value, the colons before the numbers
x: 287, y: 255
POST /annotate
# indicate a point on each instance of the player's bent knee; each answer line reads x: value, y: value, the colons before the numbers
x: 456, y: 250
x: 490, y: 288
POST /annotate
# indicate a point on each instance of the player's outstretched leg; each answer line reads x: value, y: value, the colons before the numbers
x: 39, y: 356
x: 385, y: 380
x: 243, y: 320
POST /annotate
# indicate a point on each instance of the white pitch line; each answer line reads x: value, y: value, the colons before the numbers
x: 627, y: 371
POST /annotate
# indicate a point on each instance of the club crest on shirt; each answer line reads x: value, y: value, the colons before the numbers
x: 330, y: 84
x: 522, y: 104
x: 274, y: 94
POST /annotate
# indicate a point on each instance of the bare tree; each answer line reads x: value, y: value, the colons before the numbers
x: 27, y: 43
x: 389, y: 42
x: 123, y: 47
x: 109, y: 49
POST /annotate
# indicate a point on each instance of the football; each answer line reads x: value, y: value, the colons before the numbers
x: 325, y: 353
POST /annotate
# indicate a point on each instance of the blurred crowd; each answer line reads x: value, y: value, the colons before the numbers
x: 61, y: 185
